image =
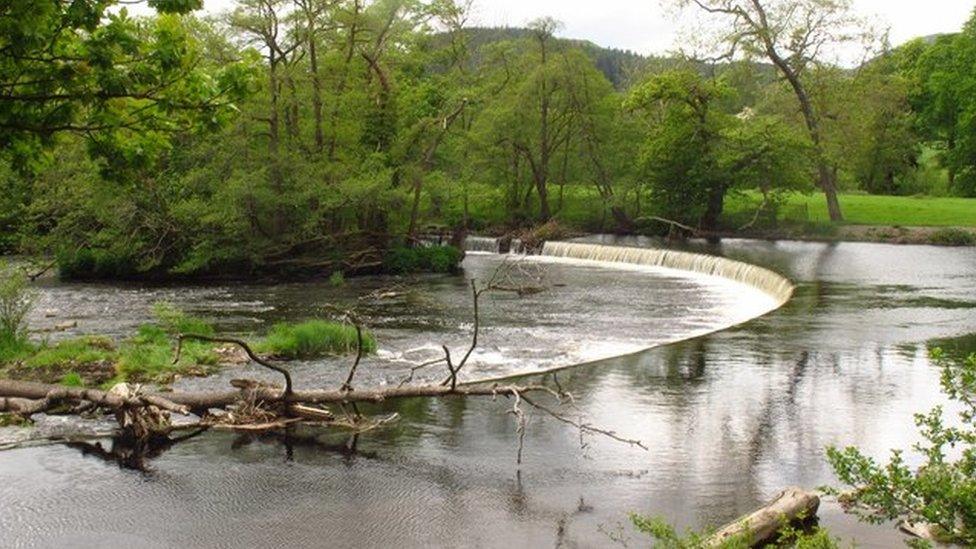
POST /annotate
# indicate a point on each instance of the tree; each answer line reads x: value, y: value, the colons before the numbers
x: 944, y: 97
x: 791, y: 34
x: 126, y: 84
x: 695, y: 153
x: 680, y: 152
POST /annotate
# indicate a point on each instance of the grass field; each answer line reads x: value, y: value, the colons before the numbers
x: 860, y: 209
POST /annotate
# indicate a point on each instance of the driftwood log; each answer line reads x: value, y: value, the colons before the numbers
x: 762, y: 525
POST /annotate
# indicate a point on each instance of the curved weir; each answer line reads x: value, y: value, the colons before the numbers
x: 768, y: 281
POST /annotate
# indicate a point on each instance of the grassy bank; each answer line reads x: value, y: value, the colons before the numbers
x: 862, y: 209
x: 148, y: 355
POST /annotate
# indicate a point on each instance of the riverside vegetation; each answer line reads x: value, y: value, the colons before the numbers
x: 305, y: 138
x: 328, y: 138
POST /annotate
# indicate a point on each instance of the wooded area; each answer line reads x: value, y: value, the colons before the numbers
x: 314, y: 136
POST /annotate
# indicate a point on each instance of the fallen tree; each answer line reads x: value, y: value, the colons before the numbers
x: 761, y: 526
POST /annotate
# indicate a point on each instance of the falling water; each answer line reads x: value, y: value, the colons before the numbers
x: 482, y: 244
x: 517, y: 246
x: 772, y: 283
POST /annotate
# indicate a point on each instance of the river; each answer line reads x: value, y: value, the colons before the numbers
x: 729, y: 418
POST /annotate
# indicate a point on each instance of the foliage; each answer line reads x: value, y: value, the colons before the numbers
x: 125, y: 83
x: 944, y: 98
x: 16, y: 302
x: 952, y: 236
x: 666, y: 536
x: 940, y: 491
x: 312, y: 339
x: 435, y: 259
x: 695, y: 153
x: 298, y: 137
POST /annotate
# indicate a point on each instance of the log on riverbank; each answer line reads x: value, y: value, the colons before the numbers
x: 762, y: 525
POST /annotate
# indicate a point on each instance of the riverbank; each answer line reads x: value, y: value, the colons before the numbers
x: 885, y: 234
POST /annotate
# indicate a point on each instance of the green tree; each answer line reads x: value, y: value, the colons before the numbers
x: 790, y: 34
x: 126, y: 84
x: 944, y: 97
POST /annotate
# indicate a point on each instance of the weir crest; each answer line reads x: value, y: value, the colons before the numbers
x: 774, y: 284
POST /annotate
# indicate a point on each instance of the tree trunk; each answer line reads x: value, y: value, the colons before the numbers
x: 764, y: 524
x: 714, y: 208
x: 826, y: 180
x: 313, y: 63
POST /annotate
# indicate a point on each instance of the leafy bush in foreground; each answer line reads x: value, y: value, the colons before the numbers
x: 942, y: 491
x: 313, y: 338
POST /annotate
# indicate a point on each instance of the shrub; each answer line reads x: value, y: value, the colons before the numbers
x: 337, y: 279
x: 952, y: 236
x: 95, y: 263
x: 432, y: 259
x: 940, y: 492
x: 16, y: 302
x: 313, y: 338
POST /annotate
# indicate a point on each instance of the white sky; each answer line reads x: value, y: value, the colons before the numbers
x: 646, y: 27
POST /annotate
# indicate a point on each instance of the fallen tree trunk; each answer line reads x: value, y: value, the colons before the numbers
x: 26, y: 397
x: 763, y: 524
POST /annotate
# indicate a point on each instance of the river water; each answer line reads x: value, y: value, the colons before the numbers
x: 729, y: 418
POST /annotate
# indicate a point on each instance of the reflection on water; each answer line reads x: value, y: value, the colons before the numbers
x: 730, y: 419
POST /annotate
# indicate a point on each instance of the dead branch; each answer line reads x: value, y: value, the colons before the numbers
x: 247, y: 349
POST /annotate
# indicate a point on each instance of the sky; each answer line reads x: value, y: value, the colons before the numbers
x: 646, y: 27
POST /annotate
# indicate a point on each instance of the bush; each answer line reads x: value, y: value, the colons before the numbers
x: 952, y: 236
x: 430, y: 259
x: 942, y: 491
x: 337, y: 280
x: 16, y: 302
x: 312, y: 339
x: 95, y: 263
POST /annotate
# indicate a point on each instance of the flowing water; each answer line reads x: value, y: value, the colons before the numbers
x: 729, y: 418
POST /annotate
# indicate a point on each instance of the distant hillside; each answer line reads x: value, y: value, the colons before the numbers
x: 619, y: 66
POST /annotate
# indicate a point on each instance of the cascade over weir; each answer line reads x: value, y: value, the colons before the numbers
x: 770, y: 282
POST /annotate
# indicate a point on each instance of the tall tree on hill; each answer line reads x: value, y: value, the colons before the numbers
x: 792, y: 35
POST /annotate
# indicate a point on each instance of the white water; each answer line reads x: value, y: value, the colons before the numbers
x: 482, y: 244
x: 774, y: 284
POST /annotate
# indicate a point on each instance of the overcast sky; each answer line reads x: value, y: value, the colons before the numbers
x: 644, y: 26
